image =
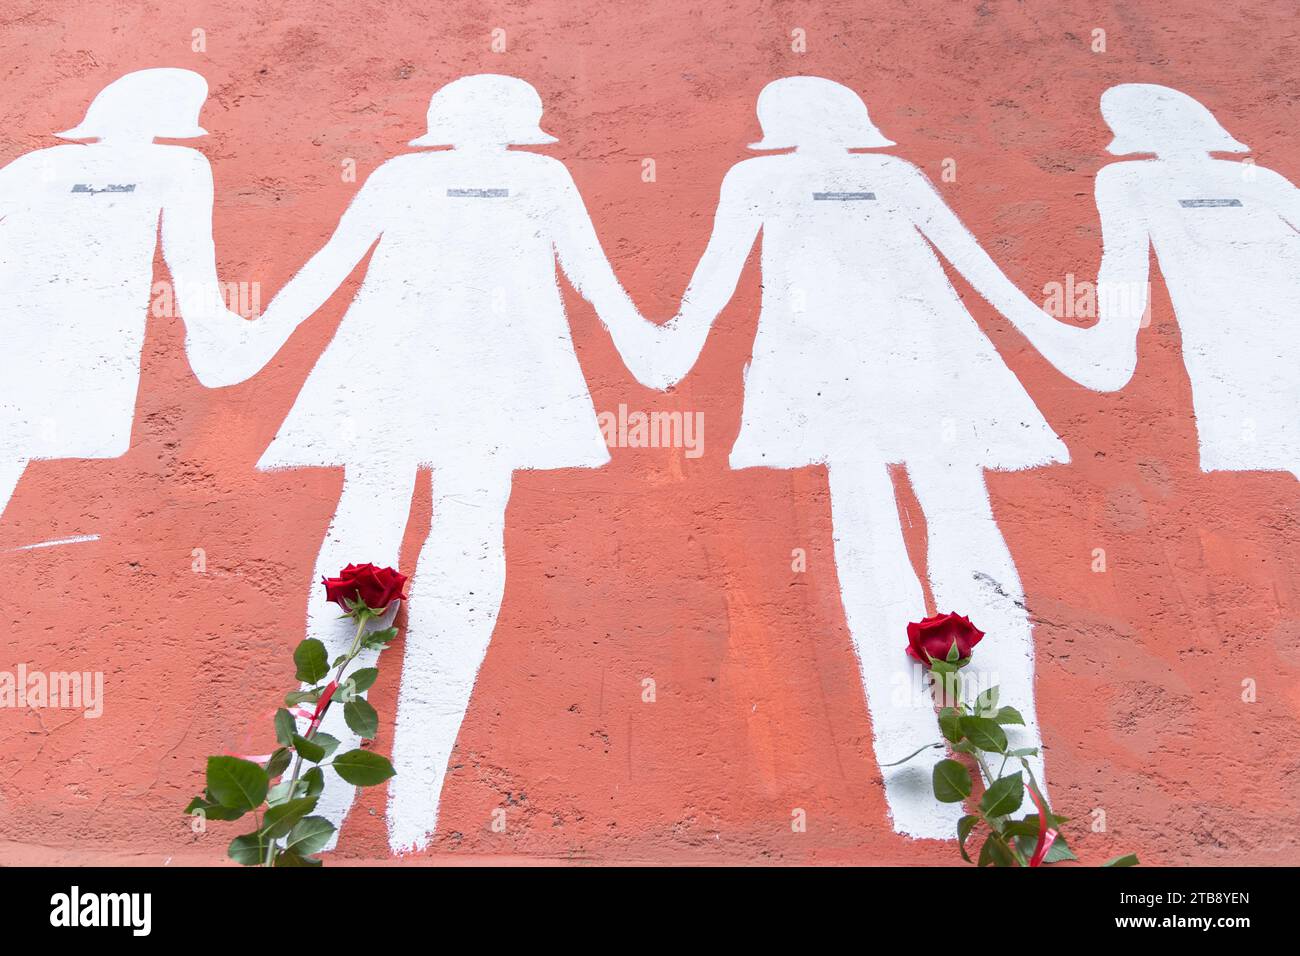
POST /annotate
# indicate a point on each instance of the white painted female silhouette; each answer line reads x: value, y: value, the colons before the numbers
x: 78, y: 229
x: 865, y: 357
x: 456, y: 355
x: 1225, y: 236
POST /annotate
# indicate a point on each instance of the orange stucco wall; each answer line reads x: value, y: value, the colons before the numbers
x: 660, y: 565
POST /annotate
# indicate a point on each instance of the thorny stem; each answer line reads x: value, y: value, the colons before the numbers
x: 989, y: 778
x: 363, y: 616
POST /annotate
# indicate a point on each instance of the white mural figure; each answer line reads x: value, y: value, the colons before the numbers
x: 79, y: 225
x: 1225, y: 235
x: 865, y: 357
x: 455, y: 355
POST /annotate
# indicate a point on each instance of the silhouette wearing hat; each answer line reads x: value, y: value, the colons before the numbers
x: 866, y: 357
x: 78, y: 229
x: 456, y: 355
x: 1225, y: 236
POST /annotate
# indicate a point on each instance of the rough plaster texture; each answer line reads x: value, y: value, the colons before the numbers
x: 660, y: 565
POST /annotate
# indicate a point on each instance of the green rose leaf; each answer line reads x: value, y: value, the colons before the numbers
x: 212, y: 810
x: 1004, y: 796
x: 280, y: 820
x: 315, y: 781
x: 1128, y: 859
x: 236, y: 783
x: 327, y: 742
x: 986, y: 703
x: 1022, y: 828
x: 279, y: 793
x: 379, y: 639
x: 1058, y: 851
x: 950, y: 724
x: 996, y: 853
x: 361, y: 768
x: 289, y: 858
x: 312, y: 660
x: 297, y: 697
x: 308, y: 836
x: 363, y: 679
x: 1009, y: 715
x: 964, y: 827
x: 1028, y: 843
x: 285, y: 727
x: 279, y: 762
x: 952, y: 782
x: 984, y: 734
x: 309, y: 750
x: 249, y: 849
x: 361, y: 718
x: 1031, y: 822
x: 941, y: 667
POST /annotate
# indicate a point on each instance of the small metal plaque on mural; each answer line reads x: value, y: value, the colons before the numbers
x: 1208, y: 203
x: 478, y: 193
x: 842, y: 197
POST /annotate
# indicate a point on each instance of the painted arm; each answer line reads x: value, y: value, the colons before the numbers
x: 360, y: 225
x: 583, y: 260
x: 222, y: 346
x: 216, y: 339
x: 735, y: 227
x: 1102, y: 356
x: 225, y: 348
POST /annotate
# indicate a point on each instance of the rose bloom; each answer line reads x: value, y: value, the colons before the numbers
x: 936, y: 635
x: 377, y: 587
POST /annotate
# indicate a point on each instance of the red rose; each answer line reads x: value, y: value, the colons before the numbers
x: 936, y: 635
x: 377, y: 587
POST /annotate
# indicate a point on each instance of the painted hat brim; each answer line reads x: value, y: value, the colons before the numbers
x: 83, y: 132
x: 1119, y: 146
x: 531, y: 139
x: 766, y: 144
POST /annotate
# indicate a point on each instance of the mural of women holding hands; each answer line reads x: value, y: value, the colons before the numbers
x: 1227, y: 239
x: 79, y: 225
x: 456, y: 355
x: 865, y: 357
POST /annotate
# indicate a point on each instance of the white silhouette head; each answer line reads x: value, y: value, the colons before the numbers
x: 1147, y: 118
x: 162, y: 102
x: 808, y: 111
x: 485, y: 110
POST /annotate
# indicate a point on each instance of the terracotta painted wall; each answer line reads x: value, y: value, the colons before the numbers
x: 660, y: 565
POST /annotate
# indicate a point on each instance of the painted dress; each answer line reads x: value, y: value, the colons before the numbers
x: 457, y: 347
x: 864, y: 350
x: 79, y: 226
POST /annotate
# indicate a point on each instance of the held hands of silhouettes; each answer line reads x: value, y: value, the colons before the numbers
x: 1101, y: 357
x: 225, y: 349
x: 658, y: 356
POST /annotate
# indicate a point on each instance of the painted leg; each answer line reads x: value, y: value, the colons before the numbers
x: 367, y: 526
x: 455, y: 596
x: 881, y: 594
x: 972, y: 573
x: 10, y: 472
